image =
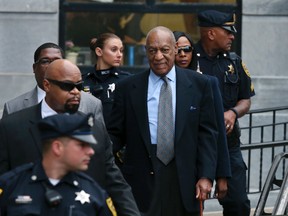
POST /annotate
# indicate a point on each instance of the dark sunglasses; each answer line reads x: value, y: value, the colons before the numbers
x: 67, y: 86
x: 186, y: 49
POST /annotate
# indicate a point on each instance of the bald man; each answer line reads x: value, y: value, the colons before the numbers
x: 20, y: 140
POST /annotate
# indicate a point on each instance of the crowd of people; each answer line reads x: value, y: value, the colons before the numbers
x: 173, y: 129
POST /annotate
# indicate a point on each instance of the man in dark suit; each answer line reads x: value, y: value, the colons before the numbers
x: 172, y: 188
x: 20, y: 140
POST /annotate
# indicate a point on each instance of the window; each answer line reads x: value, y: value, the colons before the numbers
x: 81, y: 20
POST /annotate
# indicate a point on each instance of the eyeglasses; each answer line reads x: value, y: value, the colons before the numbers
x: 186, y: 49
x: 67, y: 86
x: 44, y: 61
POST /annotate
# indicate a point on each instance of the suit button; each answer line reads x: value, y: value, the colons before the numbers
x: 151, y: 173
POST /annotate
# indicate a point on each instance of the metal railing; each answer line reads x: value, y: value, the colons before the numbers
x: 280, y: 204
x: 263, y: 136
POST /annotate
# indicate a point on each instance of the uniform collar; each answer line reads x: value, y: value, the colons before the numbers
x: 102, y: 73
x: 202, y: 54
x: 38, y: 175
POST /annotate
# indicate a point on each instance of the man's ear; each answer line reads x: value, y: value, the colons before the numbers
x: 211, y: 34
x: 46, y: 85
x: 57, y: 147
x: 176, y: 48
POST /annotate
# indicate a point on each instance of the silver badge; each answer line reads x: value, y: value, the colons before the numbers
x: 82, y: 197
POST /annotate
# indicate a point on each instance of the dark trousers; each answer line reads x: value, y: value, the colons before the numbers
x: 166, y: 198
x: 236, y: 202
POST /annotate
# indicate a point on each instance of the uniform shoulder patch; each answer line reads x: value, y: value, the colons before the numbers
x: 110, y: 205
x: 246, y: 70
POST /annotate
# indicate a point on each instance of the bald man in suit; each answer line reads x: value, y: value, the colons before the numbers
x: 20, y: 140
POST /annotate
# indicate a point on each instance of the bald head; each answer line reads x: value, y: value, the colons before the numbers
x: 62, y: 84
x: 161, y: 50
x: 160, y: 30
x: 61, y: 68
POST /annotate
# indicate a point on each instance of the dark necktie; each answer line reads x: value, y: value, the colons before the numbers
x: 165, y: 130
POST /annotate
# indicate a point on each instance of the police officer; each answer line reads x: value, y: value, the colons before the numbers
x: 53, y: 186
x: 100, y: 80
x: 217, y: 30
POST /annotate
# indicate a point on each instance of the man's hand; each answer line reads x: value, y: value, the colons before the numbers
x: 221, y: 188
x: 203, y: 189
x: 230, y: 118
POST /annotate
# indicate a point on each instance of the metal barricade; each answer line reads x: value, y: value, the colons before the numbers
x: 280, y: 206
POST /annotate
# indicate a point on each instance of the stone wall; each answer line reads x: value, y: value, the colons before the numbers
x: 24, y: 25
x: 264, y: 50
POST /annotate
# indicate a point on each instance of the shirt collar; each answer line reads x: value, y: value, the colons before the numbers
x: 171, y: 75
x: 46, y: 110
x: 40, y: 94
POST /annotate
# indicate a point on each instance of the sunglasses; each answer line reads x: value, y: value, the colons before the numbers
x: 67, y: 86
x: 186, y: 49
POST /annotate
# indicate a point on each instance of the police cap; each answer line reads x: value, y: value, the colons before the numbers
x: 77, y: 126
x: 213, y: 18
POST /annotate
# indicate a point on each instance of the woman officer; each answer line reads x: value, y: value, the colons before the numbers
x: 101, y: 79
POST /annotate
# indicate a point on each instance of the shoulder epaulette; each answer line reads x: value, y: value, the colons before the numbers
x: 84, y: 176
x: 12, y: 173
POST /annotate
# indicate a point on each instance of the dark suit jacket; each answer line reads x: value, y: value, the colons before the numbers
x: 20, y: 143
x: 223, y: 161
x: 195, y: 134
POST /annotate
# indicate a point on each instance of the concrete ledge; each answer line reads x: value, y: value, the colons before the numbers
x: 39, y: 6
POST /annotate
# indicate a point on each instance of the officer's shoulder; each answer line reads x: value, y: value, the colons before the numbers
x: 123, y: 73
x: 83, y: 176
x: 86, y: 71
x: 12, y: 174
x: 233, y: 56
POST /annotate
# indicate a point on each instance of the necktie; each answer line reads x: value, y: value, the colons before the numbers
x: 165, y: 130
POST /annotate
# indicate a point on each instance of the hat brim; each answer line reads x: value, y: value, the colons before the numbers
x: 230, y: 28
x: 88, y: 138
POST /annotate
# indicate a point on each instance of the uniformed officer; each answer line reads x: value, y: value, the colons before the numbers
x: 54, y: 186
x: 101, y: 79
x: 217, y: 30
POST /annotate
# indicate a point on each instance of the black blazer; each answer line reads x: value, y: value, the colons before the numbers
x: 20, y: 143
x: 195, y: 134
x: 223, y: 161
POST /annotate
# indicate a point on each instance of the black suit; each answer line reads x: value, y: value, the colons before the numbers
x: 20, y: 143
x: 195, y: 135
x: 223, y: 160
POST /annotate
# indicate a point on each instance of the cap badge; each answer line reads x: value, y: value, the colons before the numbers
x: 82, y: 197
x: 90, y: 121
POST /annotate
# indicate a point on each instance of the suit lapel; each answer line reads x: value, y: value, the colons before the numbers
x: 31, y: 99
x: 35, y: 118
x: 138, y: 95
